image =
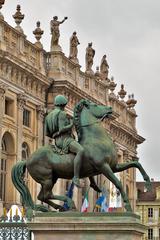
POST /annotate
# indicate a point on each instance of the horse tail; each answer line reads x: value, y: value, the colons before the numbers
x: 17, y: 175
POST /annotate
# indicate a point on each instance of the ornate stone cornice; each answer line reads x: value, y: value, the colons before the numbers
x: 8, y: 57
x: 23, y: 78
x: 124, y: 137
x: 65, y: 85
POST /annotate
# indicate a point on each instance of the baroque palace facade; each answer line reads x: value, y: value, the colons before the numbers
x: 148, y: 207
x: 30, y: 78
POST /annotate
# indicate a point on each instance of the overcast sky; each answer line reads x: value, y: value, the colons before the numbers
x: 128, y: 32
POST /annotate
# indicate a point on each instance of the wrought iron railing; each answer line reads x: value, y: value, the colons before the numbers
x: 14, y: 227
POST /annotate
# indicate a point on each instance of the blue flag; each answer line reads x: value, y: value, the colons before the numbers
x: 101, y: 202
x: 69, y: 194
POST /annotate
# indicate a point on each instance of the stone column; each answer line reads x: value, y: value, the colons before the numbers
x: 21, y: 101
x: 2, y: 100
x: 40, y: 126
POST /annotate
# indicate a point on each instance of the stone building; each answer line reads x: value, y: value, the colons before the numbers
x: 148, y: 207
x: 30, y: 77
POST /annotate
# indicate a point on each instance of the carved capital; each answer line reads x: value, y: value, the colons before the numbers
x: 21, y: 100
x: 41, y: 111
x: 125, y: 155
x: 3, y: 89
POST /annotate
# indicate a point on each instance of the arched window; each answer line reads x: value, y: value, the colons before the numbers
x: 6, y: 163
x: 3, y: 170
x: 25, y: 151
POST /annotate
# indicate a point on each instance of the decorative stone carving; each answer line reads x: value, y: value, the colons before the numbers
x: 38, y: 32
x: 104, y: 68
x: 97, y: 73
x: 112, y: 87
x: 3, y: 89
x: 125, y: 155
x: 21, y: 100
x: 18, y: 17
x: 55, y: 33
x: 41, y: 111
x: 74, y: 42
x: 90, y: 52
x: 122, y: 93
x: 131, y: 102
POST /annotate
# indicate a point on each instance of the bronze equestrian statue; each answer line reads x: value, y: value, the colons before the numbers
x: 99, y: 157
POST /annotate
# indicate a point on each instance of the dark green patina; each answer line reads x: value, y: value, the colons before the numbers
x: 99, y: 157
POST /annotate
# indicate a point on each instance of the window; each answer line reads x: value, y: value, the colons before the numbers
x: 9, y: 107
x: 26, y: 118
x: 150, y: 212
x: 25, y: 151
x: 150, y: 233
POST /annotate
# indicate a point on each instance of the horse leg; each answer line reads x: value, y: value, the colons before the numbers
x: 123, y: 166
x: 46, y: 193
x: 93, y: 185
x: 107, y: 171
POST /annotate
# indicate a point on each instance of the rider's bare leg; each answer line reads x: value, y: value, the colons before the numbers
x: 75, y: 147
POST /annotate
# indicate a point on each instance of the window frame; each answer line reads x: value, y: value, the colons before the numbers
x: 150, y: 233
x: 150, y: 212
x: 9, y: 107
x: 27, y: 118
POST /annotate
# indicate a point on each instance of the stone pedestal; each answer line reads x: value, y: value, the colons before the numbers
x: 88, y: 226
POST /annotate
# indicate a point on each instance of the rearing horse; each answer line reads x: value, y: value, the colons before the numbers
x: 100, y: 157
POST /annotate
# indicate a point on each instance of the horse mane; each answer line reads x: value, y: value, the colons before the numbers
x: 76, y: 117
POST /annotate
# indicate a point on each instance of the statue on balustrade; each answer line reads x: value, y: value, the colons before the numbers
x: 90, y: 52
x: 92, y: 154
x: 104, y: 68
x: 74, y: 42
x: 55, y: 31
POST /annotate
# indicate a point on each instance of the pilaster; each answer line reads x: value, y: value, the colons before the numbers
x: 21, y: 101
x: 40, y: 126
x: 2, y: 107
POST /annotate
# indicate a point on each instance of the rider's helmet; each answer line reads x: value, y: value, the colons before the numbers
x: 60, y: 100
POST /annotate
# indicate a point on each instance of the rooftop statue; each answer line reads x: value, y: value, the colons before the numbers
x: 90, y: 52
x: 74, y: 42
x: 94, y: 153
x: 55, y: 31
x: 104, y: 68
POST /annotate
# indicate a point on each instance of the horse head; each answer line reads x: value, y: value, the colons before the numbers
x: 98, y: 111
x: 87, y: 113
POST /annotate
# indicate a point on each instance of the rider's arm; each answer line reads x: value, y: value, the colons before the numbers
x: 62, y: 120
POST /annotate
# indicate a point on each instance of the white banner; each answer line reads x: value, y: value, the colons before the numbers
x: 115, y: 200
